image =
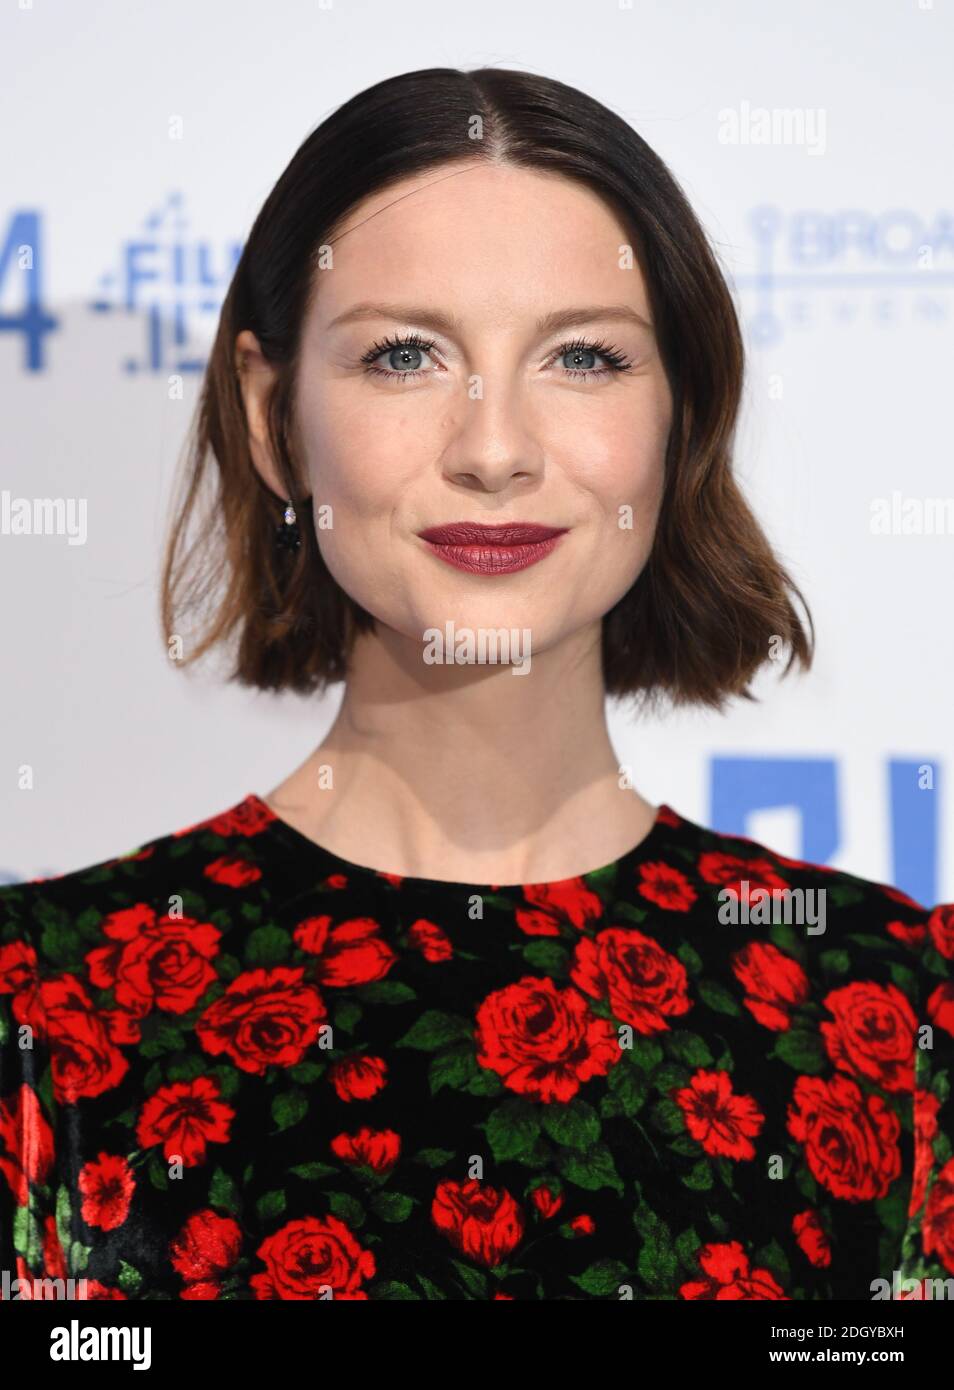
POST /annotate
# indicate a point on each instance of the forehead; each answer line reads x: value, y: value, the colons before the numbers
x: 490, y: 238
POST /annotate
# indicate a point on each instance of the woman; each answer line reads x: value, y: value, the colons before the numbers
x: 454, y: 1011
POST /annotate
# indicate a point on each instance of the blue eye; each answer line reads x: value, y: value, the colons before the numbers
x: 405, y: 355
x: 577, y: 353
x: 583, y: 354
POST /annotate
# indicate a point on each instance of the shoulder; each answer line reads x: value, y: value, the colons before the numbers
x: 48, y: 925
x: 841, y: 928
x: 737, y: 867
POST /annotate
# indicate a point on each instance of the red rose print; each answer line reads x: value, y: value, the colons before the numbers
x: 83, y: 1059
x: 205, y: 1290
x: 873, y: 1034
x: 644, y: 984
x: 483, y: 1223
x: 897, y: 896
x: 941, y: 929
x: 248, y: 817
x: 107, y: 1184
x: 811, y: 1238
x: 940, y: 1007
x: 357, y: 1077
x: 371, y: 1148
x: 264, y: 1018
x: 312, y: 933
x: 428, y: 938
x: 723, y: 1122
x: 795, y: 863
x: 204, y: 1251
x: 926, y: 1106
x: 121, y: 1027
x: 912, y: 934
x: 774, y: 983
x: 552, y: 905
x: 546, y: 1202
x: 353, y: 953
x: 666, y: 887
x: 232, y: 871
x: 133, y: 855
x: 155, y: 962
x: 728, y: 1276
x: 851, y: 1140
x: 153, y: 1038
x: 18, y: 967
x: 184, y: 1117
x: 938, y: 1228
x: 309, y: 1256
x: 730, y: 871
x: 541, y: 1041
x: 26, y: 1142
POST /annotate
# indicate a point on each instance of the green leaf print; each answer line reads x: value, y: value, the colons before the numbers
x: 512, y: 1129
x: 311, y: 1171
x: 603, y: 1278
x: 575, y: 1125
x: 391, y: 1206
x: 433, y: 1158
x: 699, y: 1178
x: 801, y: 1050
x: 223, y: 1192
x: 547, y: 957
x: 688, y: 1047
x: 434, y: 1030
x: 270, y: 1205
x: 454, y: 1067
x: 267, y: 946
x: 289, y: 1109
x: 645, y: 1053
x: 590, y: 1170
x: 718, y: 998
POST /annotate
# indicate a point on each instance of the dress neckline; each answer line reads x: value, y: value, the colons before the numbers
x: 333, y: 863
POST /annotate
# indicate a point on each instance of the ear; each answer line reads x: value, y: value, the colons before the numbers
x: 257, y: 378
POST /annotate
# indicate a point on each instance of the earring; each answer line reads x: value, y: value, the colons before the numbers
x: 287, y: 535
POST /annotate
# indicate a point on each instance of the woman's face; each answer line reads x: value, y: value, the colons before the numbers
x: 492, y: 414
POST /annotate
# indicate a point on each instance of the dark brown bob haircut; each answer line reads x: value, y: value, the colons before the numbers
x: 700, y: 619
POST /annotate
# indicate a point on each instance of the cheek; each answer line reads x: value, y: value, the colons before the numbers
x: 359, y: 468
x: 624, y: 470
x: 356, y: 463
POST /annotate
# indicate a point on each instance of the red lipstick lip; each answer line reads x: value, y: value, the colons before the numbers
x: 508, y: 534
x: 501, y: 549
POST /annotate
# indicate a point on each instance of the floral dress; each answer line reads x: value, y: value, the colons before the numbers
x: 234, y: 1065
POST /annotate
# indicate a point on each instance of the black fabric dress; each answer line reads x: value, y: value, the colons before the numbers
x: 234, y: 1065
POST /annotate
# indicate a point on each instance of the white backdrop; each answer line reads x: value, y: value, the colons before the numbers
x: 140, y: 139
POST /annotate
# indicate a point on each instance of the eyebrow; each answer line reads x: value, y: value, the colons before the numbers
x: 447, y: 323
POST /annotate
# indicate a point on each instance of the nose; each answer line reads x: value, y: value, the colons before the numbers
x: 495, y: 441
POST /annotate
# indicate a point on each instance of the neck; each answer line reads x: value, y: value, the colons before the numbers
x: 471, y: 774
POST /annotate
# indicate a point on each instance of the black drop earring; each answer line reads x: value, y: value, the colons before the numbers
x: 287, y: 535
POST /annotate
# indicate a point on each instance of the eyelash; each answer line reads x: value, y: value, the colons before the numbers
x: 616, y: 360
